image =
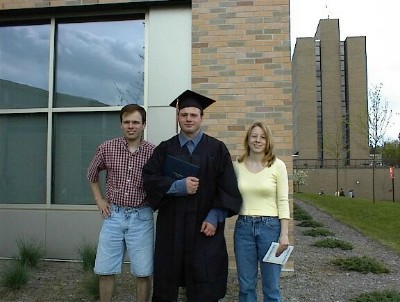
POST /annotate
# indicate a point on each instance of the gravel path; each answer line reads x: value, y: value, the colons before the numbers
x: 314, y: 278
x: 317, y: 280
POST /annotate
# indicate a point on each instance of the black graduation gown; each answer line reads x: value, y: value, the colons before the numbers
x: 183, y: 255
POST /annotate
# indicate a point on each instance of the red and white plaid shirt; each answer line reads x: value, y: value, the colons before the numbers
x: 124, y: 183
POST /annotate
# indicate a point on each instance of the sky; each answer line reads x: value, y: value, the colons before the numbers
x: 379, y: 22
x: 99, y: 61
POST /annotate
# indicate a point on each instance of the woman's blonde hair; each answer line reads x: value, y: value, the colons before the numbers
x: 269, y: 157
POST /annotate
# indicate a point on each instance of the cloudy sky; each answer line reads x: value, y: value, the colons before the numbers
x: 96, y: 60
x: 379, y: 21
x: 99, y: 59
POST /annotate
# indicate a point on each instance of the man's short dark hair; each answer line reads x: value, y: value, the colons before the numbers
x: 130, y: 108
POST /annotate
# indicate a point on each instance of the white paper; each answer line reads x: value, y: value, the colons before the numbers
x: 282, y: 259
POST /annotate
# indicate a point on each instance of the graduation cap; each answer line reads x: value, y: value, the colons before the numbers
x: 191, y: 99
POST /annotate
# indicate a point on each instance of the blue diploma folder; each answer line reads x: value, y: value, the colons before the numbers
x: 177, y: 168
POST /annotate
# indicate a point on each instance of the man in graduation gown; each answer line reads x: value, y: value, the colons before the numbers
x: 190, y: 247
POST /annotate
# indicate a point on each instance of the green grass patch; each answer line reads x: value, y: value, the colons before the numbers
x: 91, y: 285
x: 14, y: 276
x: 333, y: 243
x: 299, y: 214
x: 381, y: 296
x: 30, y: 252
x: 17, y: 273
x: 318, y: 232
x: 379, y: 220
x: 310, y: 224
x: 87, y: 255
x: 361, y: 264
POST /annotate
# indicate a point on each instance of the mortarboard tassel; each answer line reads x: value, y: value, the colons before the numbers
x: 177, y: 113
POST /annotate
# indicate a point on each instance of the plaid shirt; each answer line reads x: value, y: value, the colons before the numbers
x: 124, y: 183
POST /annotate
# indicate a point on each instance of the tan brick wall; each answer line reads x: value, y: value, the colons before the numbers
x: 357, y: 93
x: 328, y: 33
x: 241, y: 58
x: 304, y: 98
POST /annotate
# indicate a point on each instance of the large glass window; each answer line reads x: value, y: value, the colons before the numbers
x: 23, y: 140
x: 99, y: 64
x: 50, y: 132
x: 24, y: 66
x: 74, y: 150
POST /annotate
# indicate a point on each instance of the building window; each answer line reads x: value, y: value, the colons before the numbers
x: 99, y: 63
x: 62, y: 84
x: 74, y: 149
x: 23, y: 141
x: 24, y: 61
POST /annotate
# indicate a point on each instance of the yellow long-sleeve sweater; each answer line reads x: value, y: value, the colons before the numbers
x: 265, y: 193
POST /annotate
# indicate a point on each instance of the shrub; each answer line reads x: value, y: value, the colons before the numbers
x: 310, y: 224
x: 333, y: 243
x: 299, y: 214
x: 15, y: 275
x: 381, y: 296
x: 30, y: 252
x: 315, y: 232
x: 91, y: 285
x: 361, y: 264
x: 87, y: 254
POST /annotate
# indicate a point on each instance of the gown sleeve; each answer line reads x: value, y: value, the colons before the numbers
x: 155, y: 183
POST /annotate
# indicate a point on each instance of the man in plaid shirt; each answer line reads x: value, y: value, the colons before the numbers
x: 127, y: 218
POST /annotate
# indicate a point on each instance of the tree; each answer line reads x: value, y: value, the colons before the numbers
x: 299, y: 179
x: 335, y: 148
x: 133, y: 94
x: 378, y: 120
x: 391, y: 153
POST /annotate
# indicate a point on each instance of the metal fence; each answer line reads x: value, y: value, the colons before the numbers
x: 332, y: 163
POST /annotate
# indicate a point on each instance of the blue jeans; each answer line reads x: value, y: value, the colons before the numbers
x: 130, y: 229
x: 252, y: 239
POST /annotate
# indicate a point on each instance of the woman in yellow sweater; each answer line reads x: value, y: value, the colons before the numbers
x: 264, y: 216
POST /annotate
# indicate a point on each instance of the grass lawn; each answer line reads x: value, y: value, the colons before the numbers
x: 379, y: 220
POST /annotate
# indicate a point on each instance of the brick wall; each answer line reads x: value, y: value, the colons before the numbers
x: 241, y: 58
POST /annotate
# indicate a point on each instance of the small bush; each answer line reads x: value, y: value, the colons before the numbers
x: 87, y: 254
x: 30, y: 252
x: 310, y: 224
x: 361, y: 264
x: 333, y: 243
x: 14, y: 276
x: 91, y: 285
x: 315, y: 232
x: 299, y: 214
x: 381, y: 296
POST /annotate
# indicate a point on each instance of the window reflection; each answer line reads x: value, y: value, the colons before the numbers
x: 24, y: 66
x: 100, y: 64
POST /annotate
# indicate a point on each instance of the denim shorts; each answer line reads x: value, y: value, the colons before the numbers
x: 126, y: 229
